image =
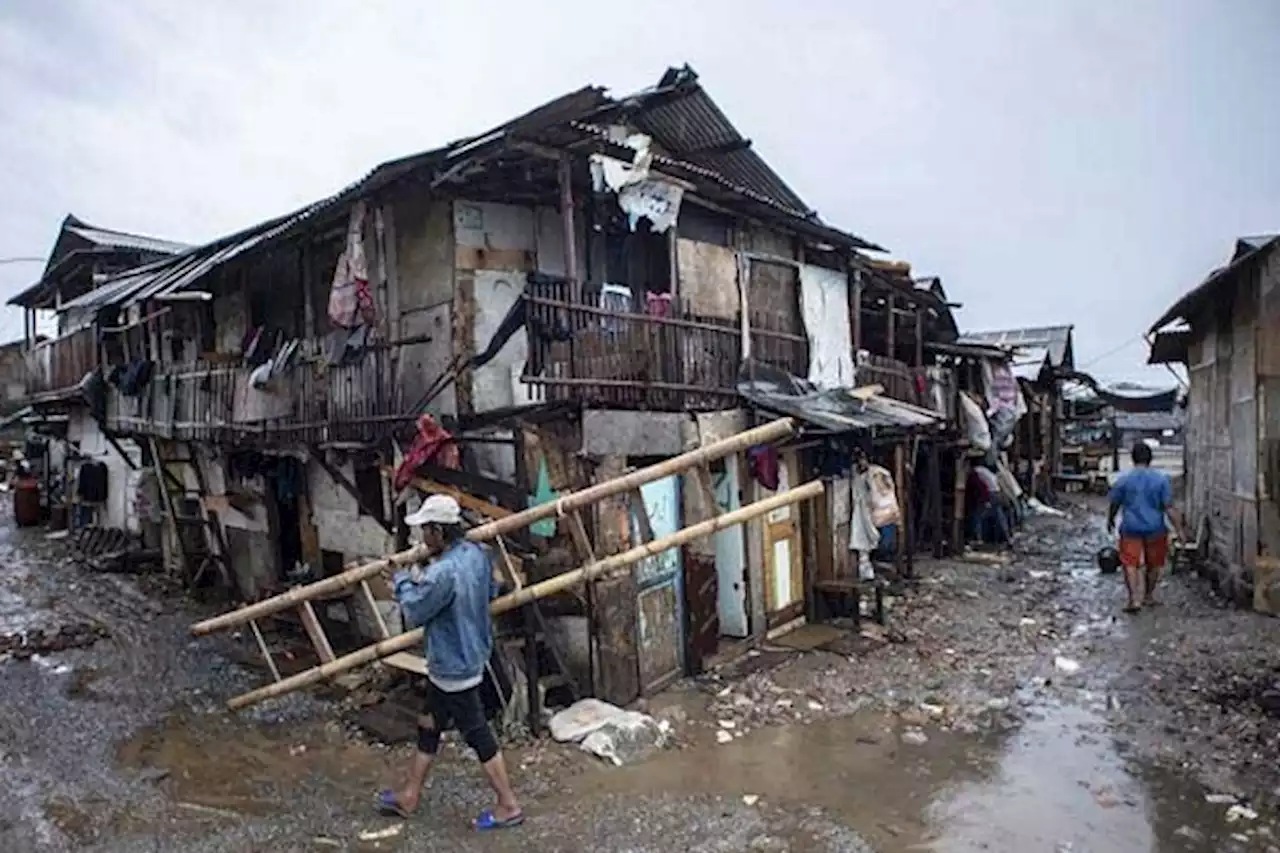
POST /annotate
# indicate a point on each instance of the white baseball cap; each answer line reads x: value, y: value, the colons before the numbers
x: 436, y: 509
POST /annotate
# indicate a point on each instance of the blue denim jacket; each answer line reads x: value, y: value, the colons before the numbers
x: 450, y: 598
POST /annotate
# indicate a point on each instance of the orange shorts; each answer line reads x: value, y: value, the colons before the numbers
x: 1151, y: 551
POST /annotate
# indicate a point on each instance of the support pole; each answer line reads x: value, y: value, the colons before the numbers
x: 772, y: 431
x: 537, y: 591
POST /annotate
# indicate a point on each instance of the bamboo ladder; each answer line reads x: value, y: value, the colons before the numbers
x: 567, y: 507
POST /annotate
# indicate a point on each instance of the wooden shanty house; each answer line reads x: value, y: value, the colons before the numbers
x: 1226, y: 333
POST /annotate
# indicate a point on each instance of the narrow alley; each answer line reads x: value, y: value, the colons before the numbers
x: 1009, y: 707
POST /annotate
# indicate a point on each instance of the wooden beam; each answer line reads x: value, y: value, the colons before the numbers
x: 471, y: 502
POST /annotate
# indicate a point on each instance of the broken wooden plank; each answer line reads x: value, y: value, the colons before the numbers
x: 866, y: 392
x: 408, y: 662
x: 471, y: 502
x: 586, y: 551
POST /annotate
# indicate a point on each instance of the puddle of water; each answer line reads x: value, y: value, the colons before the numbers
x: 215, y: 763
x: 1057, y: 784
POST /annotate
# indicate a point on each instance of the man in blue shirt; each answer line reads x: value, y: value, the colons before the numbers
x: 450, y: 599
x: 1144, y: 499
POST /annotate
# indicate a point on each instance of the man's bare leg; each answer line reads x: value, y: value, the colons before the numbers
x: 495, y: 770
x: 1133, y: 583
x: 408, y: 795
x: 1153, y: 574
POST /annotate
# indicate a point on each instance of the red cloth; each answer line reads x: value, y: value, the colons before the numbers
x: 433, y: 443
x: 763, y: 462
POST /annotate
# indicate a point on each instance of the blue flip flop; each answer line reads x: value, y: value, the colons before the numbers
x: 387, y: 804
x: 489, y: 821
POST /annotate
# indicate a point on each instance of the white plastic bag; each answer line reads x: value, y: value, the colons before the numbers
x: 975, y: 423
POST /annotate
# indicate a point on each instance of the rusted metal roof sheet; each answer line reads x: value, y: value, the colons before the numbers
x: 835, y: 411
x: 680, y: 116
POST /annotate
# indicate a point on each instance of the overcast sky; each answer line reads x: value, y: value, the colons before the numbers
x: 1054, y: 162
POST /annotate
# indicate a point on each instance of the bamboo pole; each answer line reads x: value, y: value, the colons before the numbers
x: 523, y: 596
x: 725, y: 447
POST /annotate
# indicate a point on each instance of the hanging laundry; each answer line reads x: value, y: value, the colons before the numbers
x: 657, y: 304
x: 350, y: 298
x: 763, y: 462
x: 433, y: 444
x: 615, y: 298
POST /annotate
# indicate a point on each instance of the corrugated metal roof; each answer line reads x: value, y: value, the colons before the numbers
x: 123, y: 240
x: 1248, y: 250
x: 835, y: 411
x: 1032, y: 347
x: 677, y: 113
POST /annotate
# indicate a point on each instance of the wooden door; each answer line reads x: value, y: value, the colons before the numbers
x: 783, y: 557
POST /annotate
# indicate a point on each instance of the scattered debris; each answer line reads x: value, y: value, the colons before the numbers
x: 723, y: 737
x: 1239, y: 812
x: 1219, y: 799
x: 382, y: 834
x: 1067, y: 666
x: 914, y: 737
x: 750, y: 799
x: 626, y: 738
x: 582, y: 718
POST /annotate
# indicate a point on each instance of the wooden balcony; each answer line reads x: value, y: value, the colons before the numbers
x: 673, y: 361
x: 61, y: 363
x: 309, y: 401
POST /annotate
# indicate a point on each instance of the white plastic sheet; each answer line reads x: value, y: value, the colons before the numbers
x: 824, y: 301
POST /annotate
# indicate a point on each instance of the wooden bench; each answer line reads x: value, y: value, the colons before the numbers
x: 836, y: 595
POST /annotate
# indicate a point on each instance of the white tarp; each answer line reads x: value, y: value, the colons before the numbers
x: 824, y: 301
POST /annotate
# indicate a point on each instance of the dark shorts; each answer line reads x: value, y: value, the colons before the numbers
x: 462, y: 710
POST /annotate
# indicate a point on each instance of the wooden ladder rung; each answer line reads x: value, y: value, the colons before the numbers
x: 315, y: 631
x: 266, y: 652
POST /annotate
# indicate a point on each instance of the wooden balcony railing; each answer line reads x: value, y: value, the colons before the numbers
x: 61, y: 363
x: 668, y: 360
x: 309, y: 401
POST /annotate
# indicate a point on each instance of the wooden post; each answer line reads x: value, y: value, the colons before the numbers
x: 536, y: 591
x: 919, y: 337
x: 566, y: 216
x: 899, y: 480
x: 857, y: 312
x: 935, y: 487
x: 957, y: 520
x: 892, y: 346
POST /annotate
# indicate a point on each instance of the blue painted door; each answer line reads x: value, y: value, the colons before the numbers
x: 660, y: 582
x: 731, y: 555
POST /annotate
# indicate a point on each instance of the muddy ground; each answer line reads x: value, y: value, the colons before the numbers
x: 1007, y: 707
